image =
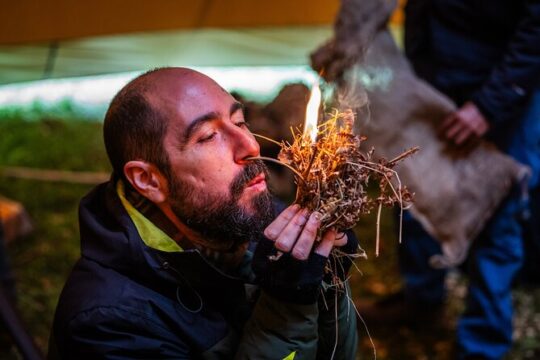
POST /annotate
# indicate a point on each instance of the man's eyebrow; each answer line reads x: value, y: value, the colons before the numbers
x: 236, y: 106
x: 201, y: 120
x: 197, y: 123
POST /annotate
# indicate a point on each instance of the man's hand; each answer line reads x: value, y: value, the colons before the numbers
x: 295, y: 231
x: 296, y: 274
x: 465, y: 123
x: 331, y: 60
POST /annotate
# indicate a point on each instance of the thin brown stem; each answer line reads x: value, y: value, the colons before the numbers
x: 277, y: 162
x: 403, y: 156
x: 315, y: 152
x: 267, y: 139
x: 378, y: 224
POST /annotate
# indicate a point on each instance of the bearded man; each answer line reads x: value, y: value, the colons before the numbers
x: 167, y: 268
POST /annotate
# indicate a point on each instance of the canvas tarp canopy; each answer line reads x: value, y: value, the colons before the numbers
x: 61, y: 38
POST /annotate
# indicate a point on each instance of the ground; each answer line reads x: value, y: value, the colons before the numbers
x: 42, y: 261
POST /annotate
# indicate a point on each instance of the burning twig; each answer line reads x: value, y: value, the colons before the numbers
x: 335, y: 173
x: 332, y: 174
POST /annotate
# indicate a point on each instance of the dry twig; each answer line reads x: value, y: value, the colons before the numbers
x: 335, y: 173
x: 332, y: 175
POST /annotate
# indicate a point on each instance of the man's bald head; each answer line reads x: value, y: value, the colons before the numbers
x: 137, y: 119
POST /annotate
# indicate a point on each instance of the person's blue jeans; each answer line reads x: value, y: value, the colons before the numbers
x: 497, y: 255
x: 485, y: 328
x: 530, y: 273
x: 424, y: 285
x: 525, y: 147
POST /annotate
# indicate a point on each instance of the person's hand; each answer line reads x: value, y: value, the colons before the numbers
x: 333, y: 58
x: 288, y: 263
x: 295, y: 231
x: 464, y: 124
x: 342, y: 258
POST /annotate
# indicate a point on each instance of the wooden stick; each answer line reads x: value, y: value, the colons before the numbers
x: 378, y: 224
x: 403, y: 156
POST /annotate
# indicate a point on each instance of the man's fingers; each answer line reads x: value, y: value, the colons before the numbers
x: 463, y: 135
x: 326, y: 244
x: 448, y: 123
x: 273, y: 230
x: 481, y: 127
x: 459, y: 132
x: 286, y: 240
x: 341, y: 239
x: 453, y: 130
x: 303, y: 246
x: 464, y: 124
x: 449, y: 120
x: 295, y: 231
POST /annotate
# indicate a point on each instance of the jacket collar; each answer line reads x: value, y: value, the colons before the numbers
x: 150, y: 234
x: 115, y: 234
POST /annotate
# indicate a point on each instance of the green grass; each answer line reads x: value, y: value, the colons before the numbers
x: 42, y: 261
x: 52, y: 144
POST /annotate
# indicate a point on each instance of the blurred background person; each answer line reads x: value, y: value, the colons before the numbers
x: 486, y: 57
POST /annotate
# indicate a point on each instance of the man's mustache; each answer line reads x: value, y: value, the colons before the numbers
x: 252, y: 169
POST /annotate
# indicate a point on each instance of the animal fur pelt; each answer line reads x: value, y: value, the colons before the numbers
x: 456, y: 192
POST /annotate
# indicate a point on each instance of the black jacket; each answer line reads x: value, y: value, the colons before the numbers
x: 487, y: 51
x: 133, y: 295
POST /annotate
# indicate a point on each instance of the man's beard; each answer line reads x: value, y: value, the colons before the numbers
x: 220, y: 220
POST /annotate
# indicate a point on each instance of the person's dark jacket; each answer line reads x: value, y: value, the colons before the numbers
x: 487, y: 51
x: 135, y: 294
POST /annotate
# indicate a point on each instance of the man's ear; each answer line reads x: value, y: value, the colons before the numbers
x: 147, y: 180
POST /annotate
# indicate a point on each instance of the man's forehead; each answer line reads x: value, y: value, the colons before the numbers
x: 185, y: 97
x: 186, y: 94
x: 184, y: 88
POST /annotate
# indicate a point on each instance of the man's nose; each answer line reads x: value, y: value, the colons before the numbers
x: 245, y: 146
